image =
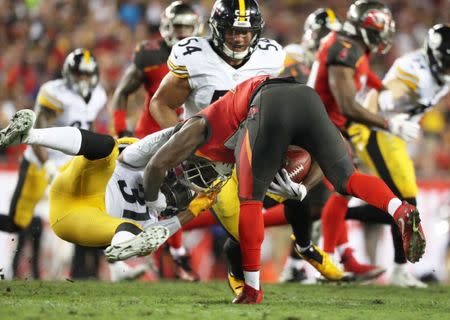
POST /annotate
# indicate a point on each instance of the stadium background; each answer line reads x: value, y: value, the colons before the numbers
x: 36, y: 35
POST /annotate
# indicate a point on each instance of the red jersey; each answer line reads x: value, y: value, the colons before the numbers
x: 234, y: 107
x: 151, y: 58
x: 337, y: 50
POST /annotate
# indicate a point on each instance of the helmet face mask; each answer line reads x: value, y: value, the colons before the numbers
x: 373, y: 23
x: 80, y: 72
x: 437, y: 46
x: 179, y: 21
x: 235, y: 17
x: 204, y: 176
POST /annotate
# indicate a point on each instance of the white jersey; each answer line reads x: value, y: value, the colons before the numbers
x: 125, y: 195
x: 71, y: 110
x: 414, y: 71
x: 210, y: 76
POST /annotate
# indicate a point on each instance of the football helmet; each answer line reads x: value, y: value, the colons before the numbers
x: 204, y: 176
x: 372, y: 22
x: 80, y: 72
x: 178, y: 195
x: 243, y: 15
x: 317, y: 25
x: 437, y: 46
x: 179, y: 14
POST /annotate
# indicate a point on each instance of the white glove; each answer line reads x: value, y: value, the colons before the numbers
x: 287, y: 188
x: 402, y: 127
x: 51, y: 169
x: 159, y: 205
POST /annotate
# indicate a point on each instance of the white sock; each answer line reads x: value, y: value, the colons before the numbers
x: 121, y: 236
x: 177, y: 252
x: 393, y: 205
x: 173, y: 224
x: 252, y: 279
x: 341, y: 248
x: 64, y: 139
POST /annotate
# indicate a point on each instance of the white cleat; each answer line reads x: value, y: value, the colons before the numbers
x: 403, y: 278
x: 121, y: 271
x: 17, y: 130
x: 143, y: 244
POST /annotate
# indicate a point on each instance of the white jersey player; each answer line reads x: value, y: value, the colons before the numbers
x: 74, y: 100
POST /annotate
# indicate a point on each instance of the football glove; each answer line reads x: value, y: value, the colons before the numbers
x: 159, y: 205
x: 287, y: 188
x: 404, y: 128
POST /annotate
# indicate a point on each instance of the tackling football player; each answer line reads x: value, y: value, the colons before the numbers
x: 252, y: 126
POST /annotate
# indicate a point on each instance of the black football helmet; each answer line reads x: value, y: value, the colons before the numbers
x: 80, y: 72
x: 372, y: 22
x: 317, y: 25
x: 178, y: 195
x: 235, y: 14
x: 182, y: 14
x: 437, y: 46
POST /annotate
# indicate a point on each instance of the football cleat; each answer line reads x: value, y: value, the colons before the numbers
x: 403, y: 278
x: 17, y: 130
x: 183, y: 269
x: 236, y: 285
x: 121, y: 271
x: 361, y: 272
x: 249, y: 295
x: 322, y: 262
x: 408, y: 221
x: 143, y: 244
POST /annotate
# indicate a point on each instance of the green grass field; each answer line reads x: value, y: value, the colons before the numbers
x: 176, y: 300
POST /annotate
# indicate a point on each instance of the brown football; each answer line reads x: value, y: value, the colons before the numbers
x: 297, y: 163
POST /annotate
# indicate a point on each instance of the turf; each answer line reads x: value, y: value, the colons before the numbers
x: 176, y: 300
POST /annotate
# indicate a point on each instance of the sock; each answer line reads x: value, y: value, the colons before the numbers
x: 371, y: 189
x: 173, y: 224
x: 393, y: 205
x: 64, y: 139
x: 342, y: 248
x: 252, y: 279
x: 342, y: 237
x: 121, y: 236
x: 251, y: 234
x: 333, y: 217
x: 177, y: 252
x: 274, y: 216
x: 176, y: 238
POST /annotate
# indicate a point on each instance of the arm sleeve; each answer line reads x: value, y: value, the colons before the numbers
x: 138, y: 154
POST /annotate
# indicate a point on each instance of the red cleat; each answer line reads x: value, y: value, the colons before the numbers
x: 361, y: 272
x: 249, y: 296
x: 408, y: 221
x: 183, y: 269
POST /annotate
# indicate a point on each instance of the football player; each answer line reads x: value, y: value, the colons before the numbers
x: 339, y: 73
x: 252, y: 126
x: 149, y: 66
x: 202, y: 70
x: 74, y: 100
x: 415, y: 83
x: 96, y: 200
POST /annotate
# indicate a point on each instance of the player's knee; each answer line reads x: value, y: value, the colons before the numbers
x: 96, y: 146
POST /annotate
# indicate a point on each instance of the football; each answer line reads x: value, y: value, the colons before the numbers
x: 297, y: 163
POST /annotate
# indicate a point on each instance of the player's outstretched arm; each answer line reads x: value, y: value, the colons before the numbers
x: 180, y: 146
x: 171, y: 94
x: 128, y: 84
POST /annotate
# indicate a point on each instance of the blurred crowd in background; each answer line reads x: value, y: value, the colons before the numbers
x: 36, y: 35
